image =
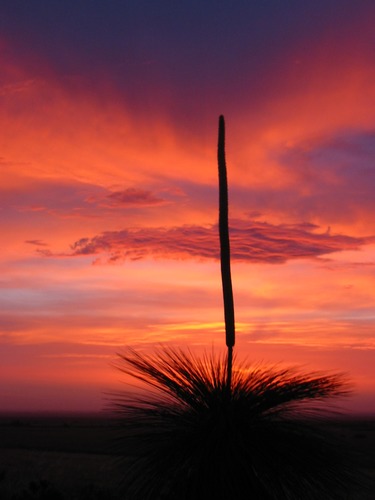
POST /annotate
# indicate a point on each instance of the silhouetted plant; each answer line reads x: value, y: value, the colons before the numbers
x: 193, y: 442
x: 212, y: 430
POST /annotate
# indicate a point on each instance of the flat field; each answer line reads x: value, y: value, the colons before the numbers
x: 73, y: 458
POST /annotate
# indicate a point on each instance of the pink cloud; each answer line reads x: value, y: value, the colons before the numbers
x: 251, y: 241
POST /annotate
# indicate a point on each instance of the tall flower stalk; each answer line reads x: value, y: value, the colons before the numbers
x: 226, y: 277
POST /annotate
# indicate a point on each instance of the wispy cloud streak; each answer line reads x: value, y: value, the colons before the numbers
x: 129, y: 197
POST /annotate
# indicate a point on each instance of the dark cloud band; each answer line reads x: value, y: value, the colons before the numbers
x: 251, y: 241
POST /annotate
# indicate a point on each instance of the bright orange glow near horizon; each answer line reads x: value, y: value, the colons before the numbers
x: 109, y: 201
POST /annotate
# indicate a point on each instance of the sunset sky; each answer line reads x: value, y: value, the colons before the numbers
x: 108, y: 204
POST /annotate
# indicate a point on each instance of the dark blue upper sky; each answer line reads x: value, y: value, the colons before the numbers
x: 189, y: 45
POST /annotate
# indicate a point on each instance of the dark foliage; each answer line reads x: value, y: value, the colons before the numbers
x: 39, y: 490
x: 196, y: 440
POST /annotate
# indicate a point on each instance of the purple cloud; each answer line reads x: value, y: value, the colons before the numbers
x: 336, y: 175
x: 252, y: 241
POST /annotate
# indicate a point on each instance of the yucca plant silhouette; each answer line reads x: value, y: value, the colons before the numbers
x: 212, y: 428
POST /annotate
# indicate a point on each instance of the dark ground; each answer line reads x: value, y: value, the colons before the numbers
x: 72, y: 457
